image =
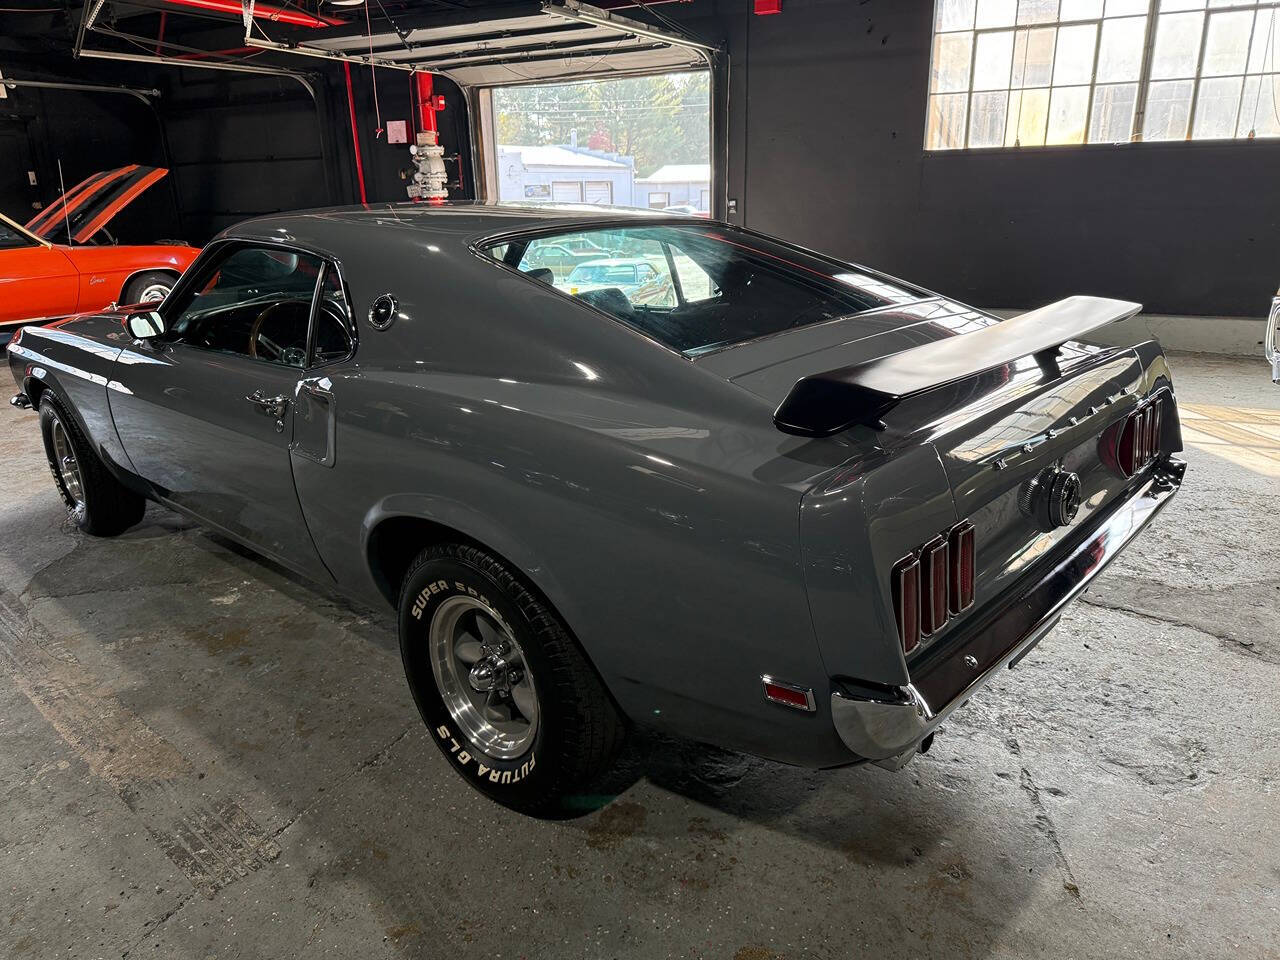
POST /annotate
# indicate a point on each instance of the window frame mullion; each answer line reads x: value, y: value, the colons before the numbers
x: 1144, y: 75
x: 1195, y: 87
x: 1093, y: 77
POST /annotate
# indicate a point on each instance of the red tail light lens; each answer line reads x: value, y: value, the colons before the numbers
x: 933, y: 585
x: 962, y: 567
x: 1135, y: 441
x: 906, y: 601
x: 935, y: 575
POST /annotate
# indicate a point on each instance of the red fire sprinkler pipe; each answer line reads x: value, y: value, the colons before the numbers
x: 261, y: 11
x: 427, y: 106
x: 355, y: 139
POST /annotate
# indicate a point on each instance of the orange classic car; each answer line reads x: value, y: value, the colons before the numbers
x: 52, y: 267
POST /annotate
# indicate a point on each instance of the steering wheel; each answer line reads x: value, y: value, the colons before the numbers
x: 271, y: 350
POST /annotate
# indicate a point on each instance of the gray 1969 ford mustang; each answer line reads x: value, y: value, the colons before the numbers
x: 766, y: 499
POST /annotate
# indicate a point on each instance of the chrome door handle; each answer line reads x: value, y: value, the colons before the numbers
x: 275, y: 406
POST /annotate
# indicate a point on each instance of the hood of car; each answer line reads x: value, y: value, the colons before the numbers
x: 92, y: 203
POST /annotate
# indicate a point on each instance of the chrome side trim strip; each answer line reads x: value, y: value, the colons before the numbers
x: 21, y: 351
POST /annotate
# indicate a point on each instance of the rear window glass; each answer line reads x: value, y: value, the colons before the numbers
x: 699, y: 287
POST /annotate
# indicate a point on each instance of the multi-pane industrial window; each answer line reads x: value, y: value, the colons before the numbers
x: 1023, y: 73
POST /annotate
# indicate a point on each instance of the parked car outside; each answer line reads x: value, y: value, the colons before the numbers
x: 805, y: 513
x: 52, y: 268
x: 561, y: 259
x: 638, y: 279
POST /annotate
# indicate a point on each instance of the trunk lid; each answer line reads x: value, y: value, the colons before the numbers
x: 990, y: 434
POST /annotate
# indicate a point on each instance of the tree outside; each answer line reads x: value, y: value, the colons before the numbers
x: 658, y: 120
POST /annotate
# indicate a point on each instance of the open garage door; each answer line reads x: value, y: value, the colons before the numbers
x: 499, y: 51
x: 529, y: 41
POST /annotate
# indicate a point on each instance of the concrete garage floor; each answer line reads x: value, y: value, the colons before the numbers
x: 1116, y: 796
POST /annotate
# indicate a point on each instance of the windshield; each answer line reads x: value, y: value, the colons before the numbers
x: 697, y: 287
x: 11, y: 237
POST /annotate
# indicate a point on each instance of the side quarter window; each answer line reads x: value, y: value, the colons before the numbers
x: 254, y: 302
x: 331, y: 338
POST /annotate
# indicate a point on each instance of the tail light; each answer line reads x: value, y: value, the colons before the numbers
x: 933, y: 584
x: 935, y: 573
x: 906, y: 601
x: 1132, y: 443
x: 962, y: 566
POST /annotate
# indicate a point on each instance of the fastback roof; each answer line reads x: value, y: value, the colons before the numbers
x: 510, y: 43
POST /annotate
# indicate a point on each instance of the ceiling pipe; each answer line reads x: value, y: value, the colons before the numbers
x: 200, y: 65
x: 261, y: 11
x: 355, y: 136
x: 140, y: 93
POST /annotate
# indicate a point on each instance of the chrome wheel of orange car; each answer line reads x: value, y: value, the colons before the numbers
x: 150, y: 287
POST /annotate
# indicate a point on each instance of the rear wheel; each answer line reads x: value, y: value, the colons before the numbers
x: 96, y: 501
x: 150, y: 287
x: 507, y: 695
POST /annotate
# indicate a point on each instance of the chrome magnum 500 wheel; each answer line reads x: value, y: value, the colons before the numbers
x: 96, y: 501
x: 507, y: 695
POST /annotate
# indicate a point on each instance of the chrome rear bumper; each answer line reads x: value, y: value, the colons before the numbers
x: 888, y: 728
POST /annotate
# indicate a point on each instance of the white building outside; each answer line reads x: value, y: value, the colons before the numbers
x: 565, y: 174
x: 676, y: 185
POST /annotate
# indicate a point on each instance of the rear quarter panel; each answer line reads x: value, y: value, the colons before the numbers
x: 653, y: 504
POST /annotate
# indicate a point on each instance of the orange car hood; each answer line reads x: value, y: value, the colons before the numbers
x: 89, y: 206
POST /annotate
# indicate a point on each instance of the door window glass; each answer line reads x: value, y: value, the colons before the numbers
x: 255, y: 302
x: 332, y: 339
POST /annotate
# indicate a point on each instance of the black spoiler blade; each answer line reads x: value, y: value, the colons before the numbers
x: 827, y: 403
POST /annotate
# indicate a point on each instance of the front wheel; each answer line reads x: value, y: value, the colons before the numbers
x: 507, y: 695
x: 96, y: 501
x: 150, y: 287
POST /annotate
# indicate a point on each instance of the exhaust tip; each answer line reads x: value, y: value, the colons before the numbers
x: 21, y: 401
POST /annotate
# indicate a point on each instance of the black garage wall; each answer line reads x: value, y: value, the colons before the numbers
x: 242, y: 145
x: 86, y: 131
x: 238, y: 145
x: 827, y: 114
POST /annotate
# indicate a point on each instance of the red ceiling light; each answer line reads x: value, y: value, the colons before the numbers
x: 764, y: 7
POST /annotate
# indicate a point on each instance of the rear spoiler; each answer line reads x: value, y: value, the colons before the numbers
x: 827, y: 403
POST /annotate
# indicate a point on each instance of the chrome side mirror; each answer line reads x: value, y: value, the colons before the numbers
x: 145, y: 324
